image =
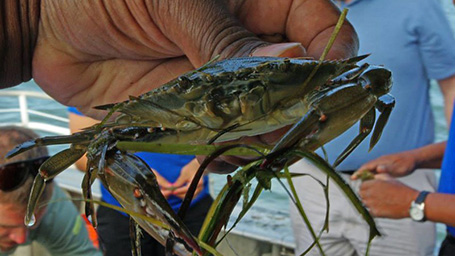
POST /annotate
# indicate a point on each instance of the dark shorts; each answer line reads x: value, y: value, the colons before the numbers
x: 114, y: 230
x: 448, y: 246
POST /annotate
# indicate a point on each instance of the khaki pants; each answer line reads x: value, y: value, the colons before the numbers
x: 348, y: 232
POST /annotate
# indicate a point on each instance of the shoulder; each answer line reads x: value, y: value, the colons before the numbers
x: 413, y: 7
x: 424, y: 7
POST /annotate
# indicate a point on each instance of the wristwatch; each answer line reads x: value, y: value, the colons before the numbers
x: 417, y: 207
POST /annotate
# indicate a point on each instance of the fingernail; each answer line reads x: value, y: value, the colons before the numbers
x: 281, y: 50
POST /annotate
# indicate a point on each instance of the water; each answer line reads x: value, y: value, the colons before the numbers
x: 269, y: 219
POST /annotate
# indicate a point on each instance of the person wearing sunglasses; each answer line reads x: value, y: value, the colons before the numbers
x: 58, y: 226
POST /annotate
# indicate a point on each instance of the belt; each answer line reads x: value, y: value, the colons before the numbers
x: 450, y: 238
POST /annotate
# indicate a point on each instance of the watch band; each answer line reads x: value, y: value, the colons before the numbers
x: 421, y: 197
x: 419, y: 202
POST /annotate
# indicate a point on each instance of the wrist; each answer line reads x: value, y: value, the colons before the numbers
x: 429, y: 156
x: 417, y: 207
x: 414, y: 159
x: 17, y: 43
x: 410, y: 198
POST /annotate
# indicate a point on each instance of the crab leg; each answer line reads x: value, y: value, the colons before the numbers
x: 385, y: 105
x: 308, y: 124
x: 86, y: 185
x: 48, y: 170
x: 132, y: 183
x: 37, y: 190
x: 349, y: 76
x: 366, y: 125
x: 329, y: 116
x: 78, y: 138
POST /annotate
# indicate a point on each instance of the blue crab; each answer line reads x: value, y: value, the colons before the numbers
x: 221, y: 101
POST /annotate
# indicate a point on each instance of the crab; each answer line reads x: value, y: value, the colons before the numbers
x: 221, y: 101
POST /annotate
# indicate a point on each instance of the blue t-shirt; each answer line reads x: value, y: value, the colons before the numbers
x: 167, y: 165
x: 447, y: 181
x: 413, y: 39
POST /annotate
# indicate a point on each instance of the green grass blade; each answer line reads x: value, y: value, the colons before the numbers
x: 187, y: 149
x: 325, y: 167
x: 298, y: 204
x: 257, y: 192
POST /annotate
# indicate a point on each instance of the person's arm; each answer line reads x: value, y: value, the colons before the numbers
x: 440, y: 208
x: 447, y: 87
x: 19, y: 22
x: 404, y: 163
x: 388, y: 198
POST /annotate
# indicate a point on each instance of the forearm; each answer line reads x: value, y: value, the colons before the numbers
x: 429, y: 156
x: 448, y: 91
x: 19, y: 30
x: 440, y: 208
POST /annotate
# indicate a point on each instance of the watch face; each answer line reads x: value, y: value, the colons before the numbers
x: 416, y: 213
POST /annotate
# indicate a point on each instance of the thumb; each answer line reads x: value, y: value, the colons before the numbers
x: 280, y: 50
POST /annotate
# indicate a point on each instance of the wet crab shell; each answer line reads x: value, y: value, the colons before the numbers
x: 263, y: 92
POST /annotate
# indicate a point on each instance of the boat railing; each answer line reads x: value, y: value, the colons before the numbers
x: 26, y: 113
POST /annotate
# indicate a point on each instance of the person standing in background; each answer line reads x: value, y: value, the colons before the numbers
x: 389, y: 198
x: 413, y: 39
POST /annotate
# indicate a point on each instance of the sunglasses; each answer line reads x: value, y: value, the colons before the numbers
x: 13, y: 175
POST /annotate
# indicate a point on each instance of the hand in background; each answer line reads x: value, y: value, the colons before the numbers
x: 387, y: 197
x: 165, y: 186
x: 183, y: 182
x: 396, y: 165
x: 404, y: 163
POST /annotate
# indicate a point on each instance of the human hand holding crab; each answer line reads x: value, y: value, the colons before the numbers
x: 92, y: 53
